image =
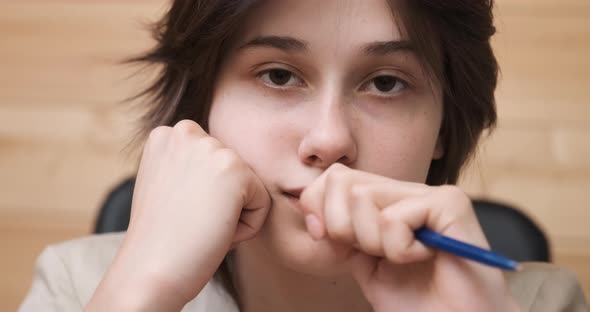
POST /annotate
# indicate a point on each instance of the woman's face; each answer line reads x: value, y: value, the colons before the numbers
x: 311, y: 83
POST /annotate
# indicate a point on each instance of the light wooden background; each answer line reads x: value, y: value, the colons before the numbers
x: 62, y: 128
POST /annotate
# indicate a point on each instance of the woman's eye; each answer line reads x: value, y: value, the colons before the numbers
x: 386, y: 84
x: 279, y: 78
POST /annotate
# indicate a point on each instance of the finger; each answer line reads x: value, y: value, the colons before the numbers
x: 454, y: 216
x: 256, y: 206
x: 249, y: 225
x: 313, y: 198
x: 157, y: 142
x: 365, y: 221
x: 336, y: 209
x: 188, y: 133
x: 385, y: 191
x: 257, y: 197
x: 158, y: 136
x: 397, y: 225
x: 257, y: 201
x: 311, y: 202
x: 189, y: 127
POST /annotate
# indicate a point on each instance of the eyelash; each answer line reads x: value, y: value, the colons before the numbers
x: 260, y: 75
x: 386, y: 94
x: 383, y: 94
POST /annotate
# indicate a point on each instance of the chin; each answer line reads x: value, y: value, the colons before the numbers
x: 285, y: 241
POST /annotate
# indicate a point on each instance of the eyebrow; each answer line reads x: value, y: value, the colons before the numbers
x: 290, y: 44
x: 381, y: 48
x: 287, y: 44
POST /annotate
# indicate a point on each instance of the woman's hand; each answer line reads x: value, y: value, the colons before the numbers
x: 377, y: 216
x: 193, y: 200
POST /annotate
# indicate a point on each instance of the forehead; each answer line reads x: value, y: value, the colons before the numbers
x: 336, y: 25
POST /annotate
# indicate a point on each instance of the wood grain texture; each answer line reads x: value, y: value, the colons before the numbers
x: 63, y: 127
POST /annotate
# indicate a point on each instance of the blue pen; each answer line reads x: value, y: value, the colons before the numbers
x: 461, y: 249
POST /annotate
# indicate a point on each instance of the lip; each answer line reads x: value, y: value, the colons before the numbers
x: 293, y: 194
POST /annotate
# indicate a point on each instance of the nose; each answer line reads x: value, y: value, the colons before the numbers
x: 330, y: 137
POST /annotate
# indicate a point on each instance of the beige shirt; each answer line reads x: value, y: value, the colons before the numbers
x: 67, y: 275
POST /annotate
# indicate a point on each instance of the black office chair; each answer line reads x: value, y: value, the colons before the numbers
x: 509, y: 231
x: 115, y: 211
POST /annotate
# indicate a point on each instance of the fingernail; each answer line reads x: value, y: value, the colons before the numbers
x: 313, y: 226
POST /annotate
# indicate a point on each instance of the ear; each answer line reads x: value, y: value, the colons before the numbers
x: 439, y: 149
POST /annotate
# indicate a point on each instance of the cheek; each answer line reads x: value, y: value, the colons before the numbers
x: 401, y: 152
x: 241, y: 123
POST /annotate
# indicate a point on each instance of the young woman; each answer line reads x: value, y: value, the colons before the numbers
x: 292, y: 147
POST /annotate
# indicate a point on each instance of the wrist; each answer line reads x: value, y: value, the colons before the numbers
x: 132, y: 290
x: 118, y: 299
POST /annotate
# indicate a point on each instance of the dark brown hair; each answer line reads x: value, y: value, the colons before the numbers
x: 451, y: 39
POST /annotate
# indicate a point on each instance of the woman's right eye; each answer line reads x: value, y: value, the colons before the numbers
x: 279, y: 78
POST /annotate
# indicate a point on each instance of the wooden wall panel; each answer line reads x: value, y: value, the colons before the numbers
x: 62, y: 124
x: 537, y: 159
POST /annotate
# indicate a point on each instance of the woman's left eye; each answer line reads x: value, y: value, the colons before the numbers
x: 279, y: 78
x: 385, y: 84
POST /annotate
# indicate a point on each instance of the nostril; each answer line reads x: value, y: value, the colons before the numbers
x: 313, y: 160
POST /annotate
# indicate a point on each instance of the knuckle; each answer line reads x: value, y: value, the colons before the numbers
x: 398, y: 254
x: 227, y: 159
x: 359, y: 191
x: 209, y: 143
x: 226, y: 156
x: 226, y: 163
x: 186, y: 127
x: 357, y: 209
x: 185, y: 124
x: 387, y: 220
x: 459, y: 202
x: 371, y: 246
x: 452, y: 191
x: 399, y: 251
x: 159, y: 134
x: 393, y: 253
x: 340, y: 233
